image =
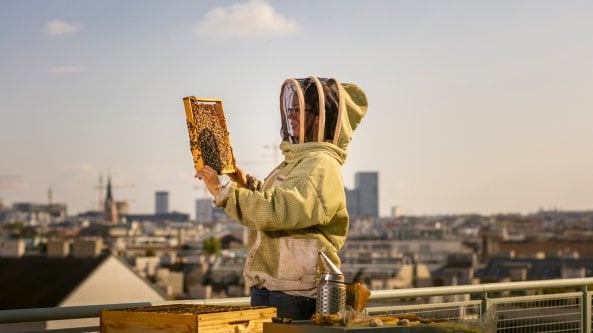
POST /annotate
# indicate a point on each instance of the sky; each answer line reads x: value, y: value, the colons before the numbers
x: 474, y: 106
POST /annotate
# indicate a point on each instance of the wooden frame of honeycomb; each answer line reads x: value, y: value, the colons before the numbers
x: 209, y: 139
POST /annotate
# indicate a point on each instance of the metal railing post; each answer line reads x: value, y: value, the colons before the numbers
x: 586, y: 310
x: 485, y: 307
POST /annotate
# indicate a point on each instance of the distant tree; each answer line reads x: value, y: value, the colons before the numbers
x: 15, y: 228
x: 29, y: 231
x: 19, y: 229
x: 212, y: 245
x: 42, y: 247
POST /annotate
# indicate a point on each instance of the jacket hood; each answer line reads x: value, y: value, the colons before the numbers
x: 320, y: 110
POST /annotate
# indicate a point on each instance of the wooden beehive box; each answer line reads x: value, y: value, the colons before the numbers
x: 187, y: 318
x: 209, y: 138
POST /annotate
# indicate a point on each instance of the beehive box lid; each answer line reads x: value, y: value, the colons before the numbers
x: 187, y: 318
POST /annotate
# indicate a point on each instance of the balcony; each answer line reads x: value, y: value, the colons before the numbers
x: 529, y: 306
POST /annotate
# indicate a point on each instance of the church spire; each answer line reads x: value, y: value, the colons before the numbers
x: 110, y: 208
x: 109, y: 195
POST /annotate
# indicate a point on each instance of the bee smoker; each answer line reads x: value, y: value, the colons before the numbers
x: 331, y: 288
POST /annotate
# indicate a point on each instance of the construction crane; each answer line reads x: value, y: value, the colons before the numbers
x: 100, y: 186
x: 275, y: 149
x: 204, y: 190
x: 265, y: 157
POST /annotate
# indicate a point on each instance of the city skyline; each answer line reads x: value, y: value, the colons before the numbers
x: 473, y: 107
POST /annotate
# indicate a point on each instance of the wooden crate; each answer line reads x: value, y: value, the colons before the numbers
x: 187, y: 318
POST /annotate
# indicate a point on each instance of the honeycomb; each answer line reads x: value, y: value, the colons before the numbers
x: 208, y: 135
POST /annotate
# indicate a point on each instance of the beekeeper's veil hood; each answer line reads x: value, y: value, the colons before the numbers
x: 320, y: 110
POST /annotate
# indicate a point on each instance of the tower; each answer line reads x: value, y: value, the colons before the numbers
x: 367, y: 184
x: 161, y: 202
x: 352, y: 202
x: 204, y: 211
x: 363, y: 200
x: 110, y: 208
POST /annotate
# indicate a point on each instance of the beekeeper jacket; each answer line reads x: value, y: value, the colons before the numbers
x: 300, y: 208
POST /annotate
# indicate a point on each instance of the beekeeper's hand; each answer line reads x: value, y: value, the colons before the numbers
x: 239, y: 177
x: 210, y: 178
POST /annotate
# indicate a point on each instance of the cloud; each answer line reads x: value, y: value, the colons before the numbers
x: 58, y: 28
x: 157, y: 175
x: 83, y: 169
x: 67, y: 69
x: 76, y: 185
x: 255, y: 18
x: 10, y: 182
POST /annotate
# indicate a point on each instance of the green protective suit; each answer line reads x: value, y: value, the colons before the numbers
x: 300, y: 207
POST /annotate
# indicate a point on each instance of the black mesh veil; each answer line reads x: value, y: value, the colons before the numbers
x: 309, y: 109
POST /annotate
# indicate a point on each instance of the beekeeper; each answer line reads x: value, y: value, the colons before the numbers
x: 300, y: 207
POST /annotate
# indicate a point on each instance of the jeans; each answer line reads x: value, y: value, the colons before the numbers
x: 288, y: 306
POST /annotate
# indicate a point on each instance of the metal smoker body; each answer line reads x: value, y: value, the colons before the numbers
x: 331, y: 288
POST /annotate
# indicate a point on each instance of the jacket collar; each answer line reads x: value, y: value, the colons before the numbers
x: 296, y: 151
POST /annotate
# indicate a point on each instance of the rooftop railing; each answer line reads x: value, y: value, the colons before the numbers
x: 529, y: 306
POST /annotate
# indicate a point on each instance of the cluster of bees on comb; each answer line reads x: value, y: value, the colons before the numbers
x: 209, y: 136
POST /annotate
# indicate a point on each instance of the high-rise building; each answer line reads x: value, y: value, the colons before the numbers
x: 363, y: 200
x: 352, y: 202
x: 207, y: 213
x: 161, y: 203
x: 367, y: 184
x: 204, y: 211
